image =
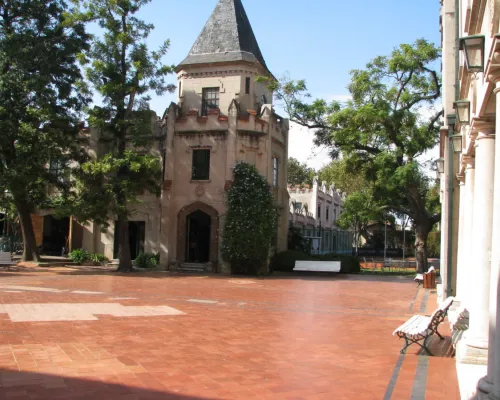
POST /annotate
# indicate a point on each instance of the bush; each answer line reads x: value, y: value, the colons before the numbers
x: 147, y: 260
x: 434, y: 244
x: 250, y: 221
x: 98, y: 258
x: 79, y: 256
x: 285, y: 261
x: 348, y: 264
x: 297, y: 242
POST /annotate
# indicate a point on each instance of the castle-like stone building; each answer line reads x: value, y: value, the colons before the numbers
x: 314, y: 212
x: 222, y: 116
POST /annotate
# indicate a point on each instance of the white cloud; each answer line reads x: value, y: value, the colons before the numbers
x: 301, y: 144
x: 302, y: 148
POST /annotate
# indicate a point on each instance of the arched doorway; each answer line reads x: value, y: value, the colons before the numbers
x: 198, y: 226
x: 198, y: 234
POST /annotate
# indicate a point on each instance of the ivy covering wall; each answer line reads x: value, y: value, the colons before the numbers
x: 251, y: 222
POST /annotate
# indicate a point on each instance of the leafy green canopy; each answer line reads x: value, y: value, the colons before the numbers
x: 299, y: 173
x: 123, y: 71
x: 250, y: 221
x: 381, y: 128
x: 40, y: 104
x: 40, y: 99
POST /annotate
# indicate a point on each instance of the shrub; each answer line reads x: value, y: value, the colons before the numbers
x: 98, y: 258
x: 296, y: 241
x: 250, y: 221
x: 79, y: 256
x: 434, y: 244
x: 285, y: 261
x: 348, y: 264
x: 147, y: 260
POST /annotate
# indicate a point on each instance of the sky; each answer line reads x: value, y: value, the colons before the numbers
x: 316, y: 40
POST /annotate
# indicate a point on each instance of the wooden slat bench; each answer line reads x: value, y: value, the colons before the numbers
x: 420, y: 328
x: 6, y: 260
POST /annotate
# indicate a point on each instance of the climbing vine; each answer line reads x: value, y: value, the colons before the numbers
x: 250, y: 221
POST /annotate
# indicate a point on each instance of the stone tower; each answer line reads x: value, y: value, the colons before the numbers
x: 222, y: 116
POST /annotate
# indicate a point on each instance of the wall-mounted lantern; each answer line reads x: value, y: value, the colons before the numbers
x: 457, y: 143
x: 473, y: 47
x: 462, y: 108
x: 440, y: 165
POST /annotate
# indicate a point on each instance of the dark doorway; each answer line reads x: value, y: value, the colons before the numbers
x: 136, y: 237
x: 198, y: 237
x: 55, y: 235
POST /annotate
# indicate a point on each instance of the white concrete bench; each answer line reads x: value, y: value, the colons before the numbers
x: 422, y: 327
x: 6, y: 260
x: 317, y: 266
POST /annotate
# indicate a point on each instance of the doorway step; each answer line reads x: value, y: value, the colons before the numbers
x: 194, y: 267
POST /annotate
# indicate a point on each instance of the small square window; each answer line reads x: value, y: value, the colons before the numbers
x: 201, y: 165
x: 210, y: 100
x: 247, y: 86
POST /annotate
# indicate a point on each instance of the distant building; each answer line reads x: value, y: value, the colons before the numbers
x: 315, y: 211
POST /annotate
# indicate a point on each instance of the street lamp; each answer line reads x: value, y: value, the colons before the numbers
x: 440, y: 165
x: 457, y: 143
x: 473, y: 47
x: 463, y: 111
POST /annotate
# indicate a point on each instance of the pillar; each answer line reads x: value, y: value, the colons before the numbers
x: 477, y: 335
x: 468, y: 220
x: 491, y: 384
x: 462, y: 285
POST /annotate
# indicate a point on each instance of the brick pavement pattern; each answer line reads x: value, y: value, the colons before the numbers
x: 174, y: 336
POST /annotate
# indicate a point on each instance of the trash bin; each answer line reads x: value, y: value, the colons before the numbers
x: 430, y: 280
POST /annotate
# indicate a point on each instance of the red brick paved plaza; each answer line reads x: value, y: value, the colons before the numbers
x: 66, y: 334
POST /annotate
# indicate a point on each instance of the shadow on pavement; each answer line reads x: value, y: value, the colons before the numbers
x: 32, y: 385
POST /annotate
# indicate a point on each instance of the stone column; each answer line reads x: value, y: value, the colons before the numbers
x: 468, y: 219
x: 477, y: 335
x: 492, y: 381
x: 462, y: 285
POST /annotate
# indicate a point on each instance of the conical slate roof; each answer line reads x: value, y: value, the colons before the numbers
x: 227, y: 36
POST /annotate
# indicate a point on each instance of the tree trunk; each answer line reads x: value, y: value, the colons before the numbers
x: 125, y: 264
x: 30, y: 252
x: 421, y: 234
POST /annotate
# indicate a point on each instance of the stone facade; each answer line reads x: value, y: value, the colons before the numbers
x: 315, y: 211
x: 470, y: 189
x: 223, y: 116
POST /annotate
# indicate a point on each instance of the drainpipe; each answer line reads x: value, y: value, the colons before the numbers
x: 451, y: 128
x: 451, y: 119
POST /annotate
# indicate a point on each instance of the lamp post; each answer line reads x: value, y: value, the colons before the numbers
x: 473, y: 48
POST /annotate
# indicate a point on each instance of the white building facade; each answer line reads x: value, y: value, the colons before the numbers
x: 470, y: 186
x: 314, y: 212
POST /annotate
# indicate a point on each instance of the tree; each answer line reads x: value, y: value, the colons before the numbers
x: 251, y: 221
x: 381, y: 129
x: 299, y: 173
x: 40, y: 102
x: 360, y: 208
x: 346, y: 178
x: 122, y: 70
